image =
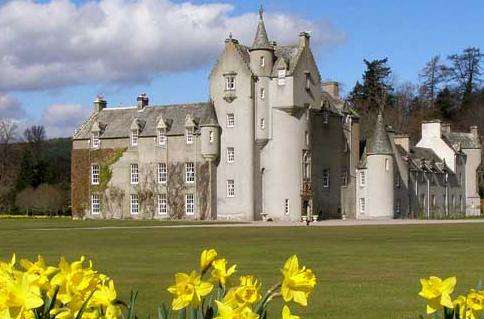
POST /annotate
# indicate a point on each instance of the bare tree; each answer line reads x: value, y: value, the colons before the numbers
x: 432, y: 75
x: 8, y: 130
x: 35, y: 134
x: 466, y: 71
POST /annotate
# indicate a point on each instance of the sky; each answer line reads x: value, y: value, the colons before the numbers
x: 56, y: 56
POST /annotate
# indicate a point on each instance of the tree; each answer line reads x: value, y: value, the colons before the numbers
x: 432, y: 76
x: 7, y: 135
x: 466, y: 71
x: 35, y: 136
x: 446, y: 103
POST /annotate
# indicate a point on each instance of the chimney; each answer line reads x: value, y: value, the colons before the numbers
x: 445, y: 128
x: 142, y: 101
x: 332, y: 88
x: 304, y: 39
x: 99, y: 104
x: 403, y: 140
x: 475, y: 131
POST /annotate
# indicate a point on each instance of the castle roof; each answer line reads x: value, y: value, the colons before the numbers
x: 459, y: 140
x: 379, y: 143
x: 116, y: 122
x: 261, y: 40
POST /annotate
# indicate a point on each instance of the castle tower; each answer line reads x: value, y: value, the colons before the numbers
x: 380, y: 180
x: 262, y: 51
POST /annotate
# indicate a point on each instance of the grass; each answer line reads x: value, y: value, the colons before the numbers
x: 364, y: 272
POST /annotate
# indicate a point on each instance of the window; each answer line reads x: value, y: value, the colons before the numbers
x: 134, y: 138
x: 161, y: 137
x: 262, y: 93
x: 433, y: 201
x: 95, y: 169
x: 262, y: 61
x: 306, y: 137
x: 162, y: 204
x: 134, y: 204
x: 281, y: 77
x: 325, y: 117
x: 397, y: 181
x: 95, y: 204
x: 230, y: 120
x: 190, y: 172
x: 397, y: 207
x: 453, y: 201
x: 387, y: 164
x: 95, y: 140
x: 306, y: 165
x: 230, y: 154
x: 210, y: 137
x: 262, y: 123
x: 461, y: 203
x: 325, y: 178
x: 230, y: 188
x: 189, y: 135
x: 162, y: 173
x: 134, y: 174
x: 362, y: 205
x: 286, y: 206
x: 189, y: 204
x: 308, y: 80
x: 230, y: 83
x: 362, y: 178
x: 344, y: 177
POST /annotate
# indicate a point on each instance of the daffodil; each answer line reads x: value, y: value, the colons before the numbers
x: 248, y: 292
x: 105, y: 297
x: 286, y: 313
x: 220, y: 272
x: 460, y: 304
x: 437, y: 292
x: 19, y: 297
x: 298, y: 283
x: 225, y: 311
x: 206, y: 259
x: 188, y: 290
x: 475, y: 304
x: 39, y: 269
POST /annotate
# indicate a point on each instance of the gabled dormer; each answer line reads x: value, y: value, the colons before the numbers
x: 96, y: 135
x: 161, y: 128
x: 189, y: 128
x: 135, y: 129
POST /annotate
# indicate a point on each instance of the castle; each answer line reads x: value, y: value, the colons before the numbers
x: 273, y: 142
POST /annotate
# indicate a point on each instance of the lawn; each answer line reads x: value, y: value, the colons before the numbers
x: 364, y: 271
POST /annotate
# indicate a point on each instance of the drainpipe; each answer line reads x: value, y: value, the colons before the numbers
x: 446, y: 194
x: 428, y: 195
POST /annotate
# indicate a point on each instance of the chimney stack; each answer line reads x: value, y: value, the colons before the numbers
x: 142, y: 101
x: 445, y: 128
x: 304, y: 39
x: 403, y: 140
x: 332, y: 88
x: 475, y: 131
x: 99, y: 104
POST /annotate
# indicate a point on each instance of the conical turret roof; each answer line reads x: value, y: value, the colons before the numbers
x: 379, y: 142
x: 261, y: 40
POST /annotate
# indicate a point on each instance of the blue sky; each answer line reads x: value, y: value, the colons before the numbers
x: 407, y: 32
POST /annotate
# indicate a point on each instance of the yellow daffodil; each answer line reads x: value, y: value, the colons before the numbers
x: 225, y: 311
x: 297, y: 283
x: 437, y: 292
x: 248, y: 292
x: 20, y: 296
x: 105, y: 297
x: 220, y: 272
x: 188, y: 290
x: 206, y: 259
x: 460, y: 303
x: 39, y: 269
x: 286, y: 313
x: 475, y: 304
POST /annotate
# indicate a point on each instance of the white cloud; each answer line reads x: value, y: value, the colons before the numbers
x: 58, y: 43
x: 60, y: 120
x: 11, y: 108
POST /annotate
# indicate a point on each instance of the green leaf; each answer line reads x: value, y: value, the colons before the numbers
x: 50, y: 303
x: 84, y: 305
x: 182, y: 314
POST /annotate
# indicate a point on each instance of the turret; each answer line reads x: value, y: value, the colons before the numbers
x: 262, y: 51
x: 380, y: 173
x: 210, y: 133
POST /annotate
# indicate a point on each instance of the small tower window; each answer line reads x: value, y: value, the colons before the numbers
x: 306, y: 137
x: 210, y: 137
x: 230, y: 83
x: 262, y: 61
x: 281, y: 77
x: 286, y: 206
x: 262, y: 93
x: 230, y: 120
x: 387, y: 164
x: 308, y: 80
x: 262, y: 124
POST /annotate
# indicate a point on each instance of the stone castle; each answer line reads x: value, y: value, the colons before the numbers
x: 273, y: 142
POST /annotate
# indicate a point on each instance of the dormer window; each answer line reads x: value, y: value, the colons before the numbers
x: 230, y: 83
x: 281, y: 77
x: 189, y: 136
x: 262, y: 61
x: 161, y: 137
x: 308, y: 80
x: 96, y: 142
x: 134, y: 137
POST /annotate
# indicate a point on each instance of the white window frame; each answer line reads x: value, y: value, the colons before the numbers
x: 230, y: 120
x: 326, y: 177
x: 281, y: 77
x: 230, y: 154
x: 161, y: 137
x: 262, y: 93
x: 95, y: 140
x: 262, y: 123
x: 286, y: 206
x: 134, y: 173
x: 190, y: 172
x: 362, y: 205
x: 162, y: 173
x: 362, y: 178
x: 134, y: 204
x: 262, y: 61
x: 230, y: 83
x: 95, y: 174
x: 189, y: 136
x: 230, y: 188
x: 95, y: 204
x: 190, y: 204
x: 134, y: 137
x: 211, y: 137
x: 387, y: 164
x: 162, y: 204
x: 306, y: 138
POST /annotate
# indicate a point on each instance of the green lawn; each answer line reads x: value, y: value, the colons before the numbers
x: 364, y: 272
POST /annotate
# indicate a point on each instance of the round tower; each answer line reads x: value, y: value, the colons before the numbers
x: 262, y: 51
x: 380, y: 192
x: 210, y: 136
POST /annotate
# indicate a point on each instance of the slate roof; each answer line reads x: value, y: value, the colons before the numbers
x: 261, y: 40
x: 423, y: 158
x: 461, y: 140
x: 337, y: 106
x: 116, y: 122
x: 379, y: 143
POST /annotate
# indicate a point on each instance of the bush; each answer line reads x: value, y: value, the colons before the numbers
x: 45, y: 199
